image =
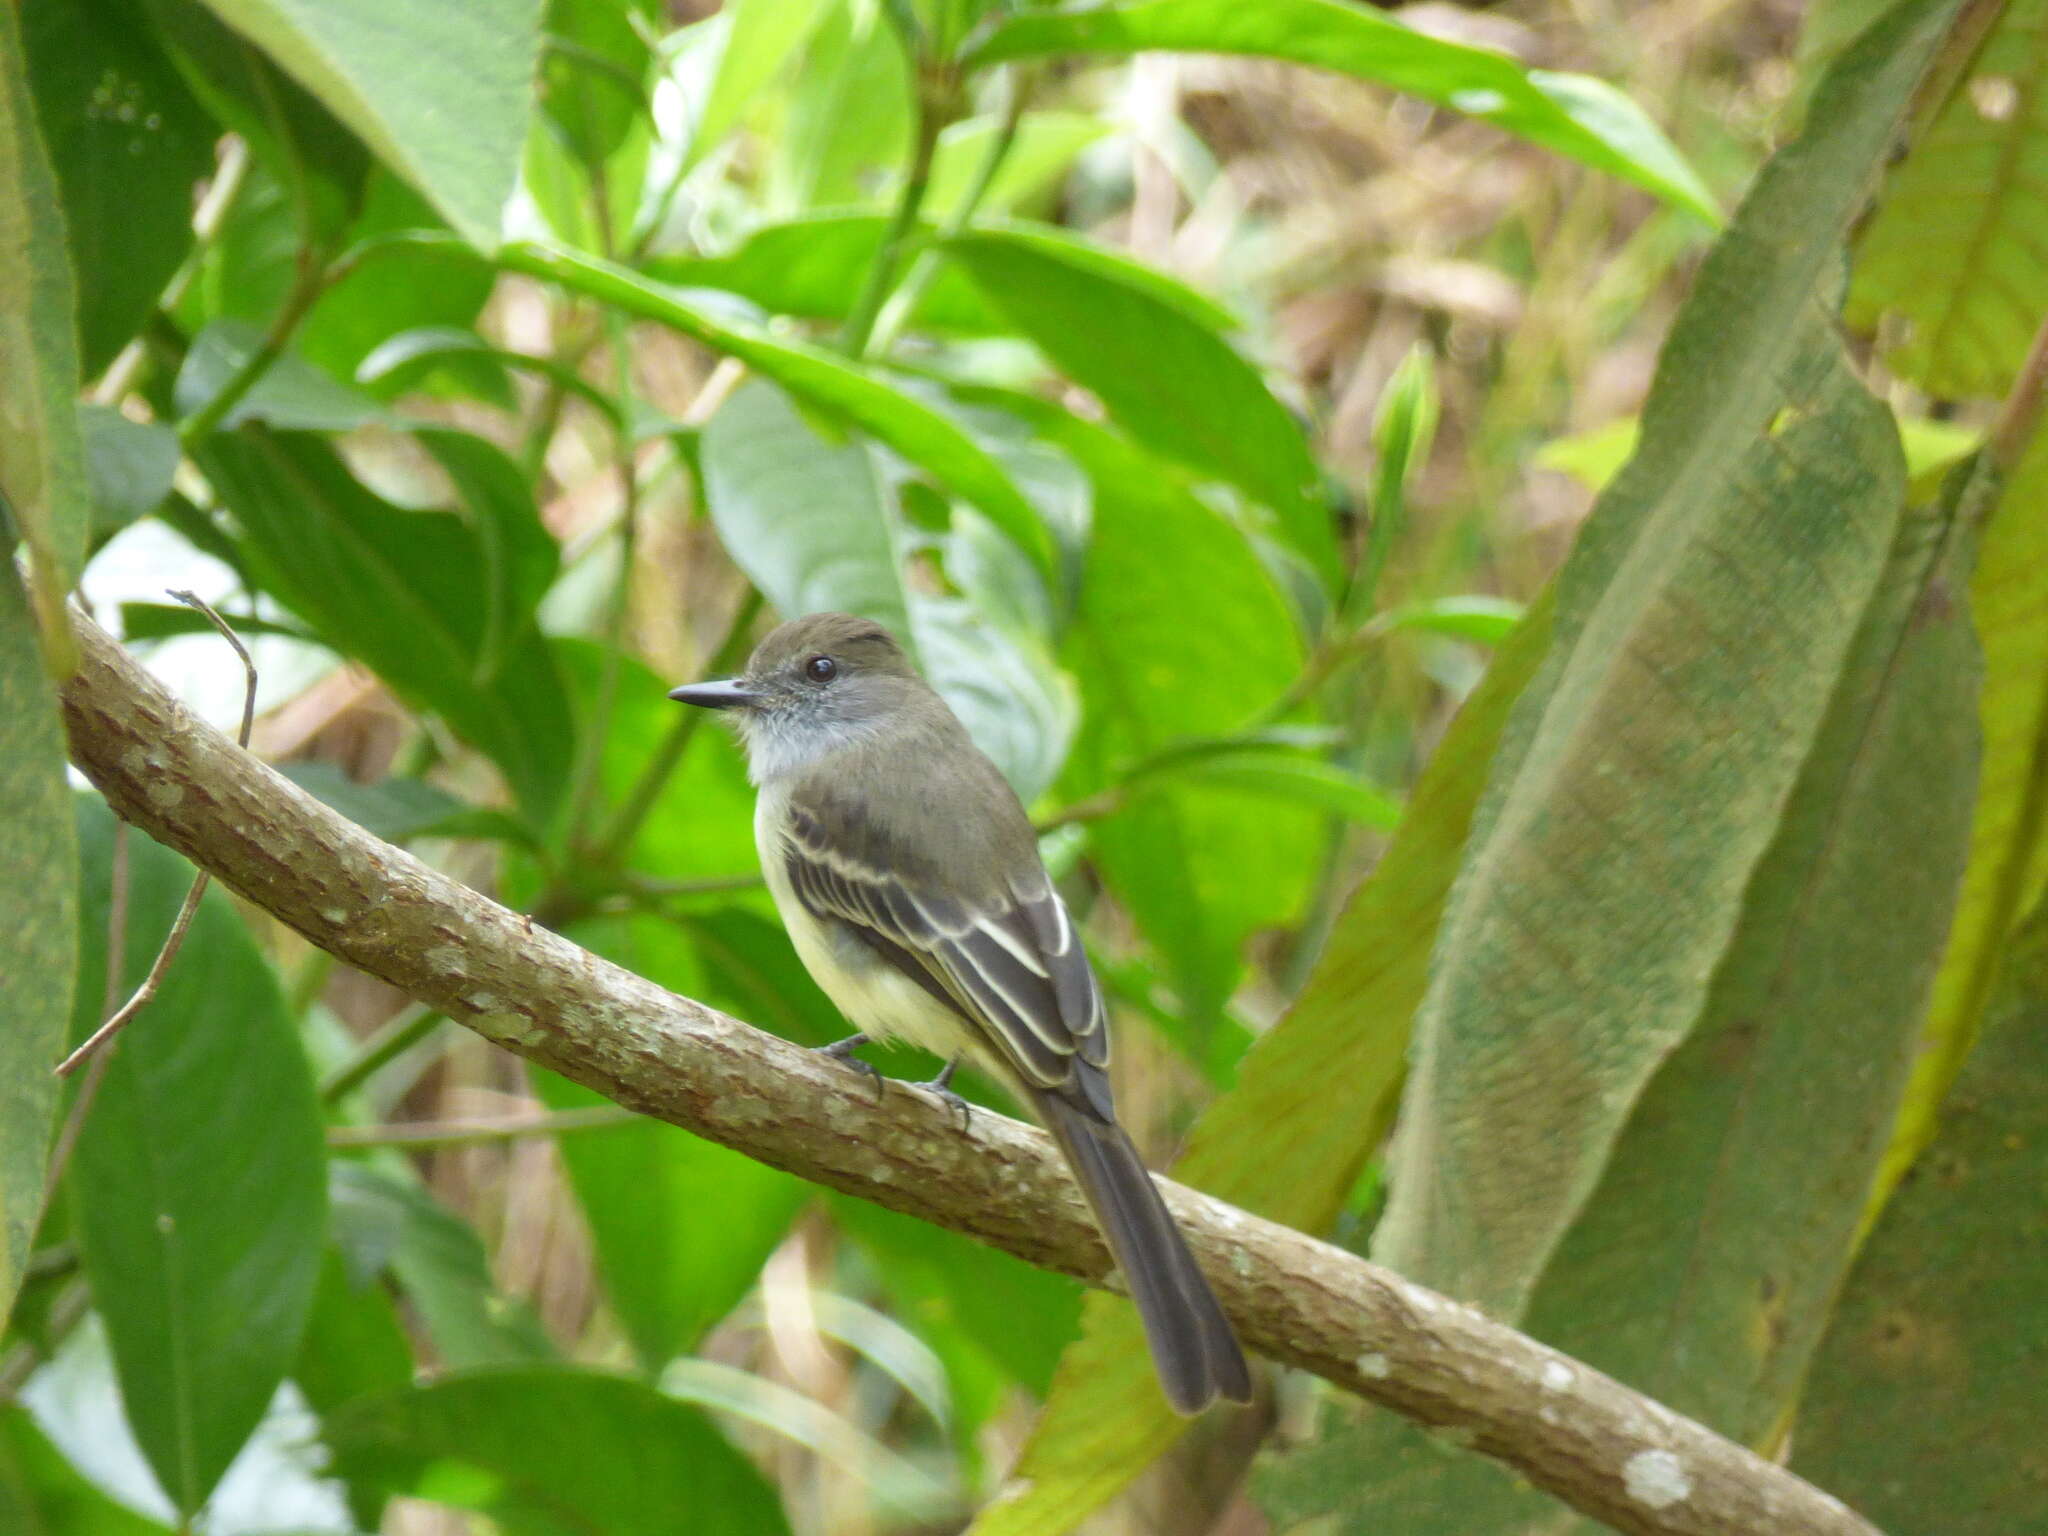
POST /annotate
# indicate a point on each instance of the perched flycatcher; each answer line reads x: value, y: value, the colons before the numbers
x: 908, y: 876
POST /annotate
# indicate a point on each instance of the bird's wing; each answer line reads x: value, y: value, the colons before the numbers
x: 1010, y: 963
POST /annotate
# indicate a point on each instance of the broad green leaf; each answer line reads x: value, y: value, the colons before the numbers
x: 291, y: 393
x: 1923, y: 1405
x: 38, y: 928
x: 1704, y: 620
x: 681, y: 1225
x: 1330, y: 1070
x: 1039, y: 155
x: 593, y: 76
x: 1954, y: 252
x: 820, y: 378
x: 1824, y: 982
x: 1168, y: 378
x: 160, y: 621
x: 128, y: 143
x: 354, y: 1347
x: 407, y: 593
x: 1575, y: 115
x: 814, y: 268
x: 128, y: 464
x: 302, y: 151
x: 756, y: 39
x: 405, y: 285
x: 42, y: 1494
x: 557, y: 1450
x: 1478, y: 618
x: 399, y: 810
x: 1596, y: 457
x: 813, y: 525
x: 387, y: 1224
x: 973, y: 1303
x: 803, y: 516
x: 437, y: 88
x: 847, y: 118
x: 43, y: 489
x: 2008, y: 867
x: 1197, y: 873
x: 198, y: 1184
x: 1289, y: 777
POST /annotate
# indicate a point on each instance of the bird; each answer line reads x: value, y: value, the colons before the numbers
x: 907, y: 873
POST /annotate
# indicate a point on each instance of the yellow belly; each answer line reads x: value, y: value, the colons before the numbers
x: 877, y: 999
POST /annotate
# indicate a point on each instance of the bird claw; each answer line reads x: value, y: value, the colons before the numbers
x: 941, y: 1088
x: 842, y: 1051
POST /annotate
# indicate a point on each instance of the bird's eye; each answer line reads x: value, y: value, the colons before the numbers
x: 821, y: 669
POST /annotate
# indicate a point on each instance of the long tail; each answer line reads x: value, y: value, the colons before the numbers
x: 1193, y: 1348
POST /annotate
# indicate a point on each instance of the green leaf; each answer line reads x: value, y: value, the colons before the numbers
x: 1197, y: 874
x: 2008, y: 863
x: 437, y: 88
x: 400, y: 810
x: 402, y: 284
x: 1923, y: 1405
x: 1161, y: 369
x: 944, y: 1284
x: 129, y: 465
x: 1584, y: 118
x: 1655, y: 753
x: 812, y: 525
x: 681, y: 1225
x: 756, y: 38
x: 593, y: 76
x: 1330, y: 1070
x: 354, y: 1347
x: 127, y: 143
x: 43, y: 489
x: 303, y: 154
x: 411, y: 594
x: 1478, y: 618
x: 557, y: 1450
x: 42, y: 1494
x: 820, y: 378
x: 1824, y: 981
x: 847, y: 118
x: 1290, y: 777
x: 38, y: 928
x: 292, y: 393
x: 815, y: 267
x: 384, y: 1223
x: 1954, y: 252
x: 198, y: 1182
x: 1042, y: 150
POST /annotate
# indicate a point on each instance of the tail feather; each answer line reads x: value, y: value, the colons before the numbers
x: 1193, y: 1348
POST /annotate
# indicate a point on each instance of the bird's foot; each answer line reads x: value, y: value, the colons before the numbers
x: 941, y: 1087
x: 842, y: 1051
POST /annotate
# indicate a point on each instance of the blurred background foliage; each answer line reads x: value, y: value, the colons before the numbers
x: 1208, y: 392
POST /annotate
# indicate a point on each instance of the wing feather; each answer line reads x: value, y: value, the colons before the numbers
x: 1012, y: 965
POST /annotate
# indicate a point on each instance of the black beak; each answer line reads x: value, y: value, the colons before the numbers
x: 719, y: 693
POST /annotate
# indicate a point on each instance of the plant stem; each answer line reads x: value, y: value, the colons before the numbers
x: 469, y: 1133
x: 931, y: 122
x: 399, y: 1035
x: 903, y: 303
x: 306, y: 290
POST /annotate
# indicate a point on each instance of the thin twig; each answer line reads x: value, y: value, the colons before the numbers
x: 465, y: 1133
x: 2020, y: 414
x: 175, y: 941
x: 934, y: 111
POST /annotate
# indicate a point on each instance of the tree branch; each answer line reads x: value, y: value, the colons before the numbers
x: 1586, y: 1439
